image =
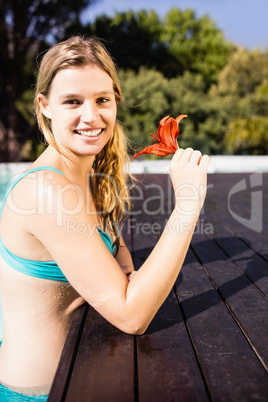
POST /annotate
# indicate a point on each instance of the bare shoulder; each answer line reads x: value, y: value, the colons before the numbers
x: 49, y: 197
x: 32, y: 195
x: 30, y: 198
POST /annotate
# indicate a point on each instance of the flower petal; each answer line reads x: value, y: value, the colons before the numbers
x: 166, y: 135
x: 169, y: 133
x: 180, y: 117
x: 162, y: 121
x: 156, y: 149
x: 158, y: 133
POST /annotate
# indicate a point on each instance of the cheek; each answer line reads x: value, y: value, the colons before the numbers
x: 63, y: 119
x: 110, y: 116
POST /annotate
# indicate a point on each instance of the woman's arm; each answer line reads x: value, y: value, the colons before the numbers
x: 96, y: 275
x: 124, y: 259
x: 189, y: 177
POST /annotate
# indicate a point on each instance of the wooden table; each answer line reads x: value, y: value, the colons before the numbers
x: 209, y: 341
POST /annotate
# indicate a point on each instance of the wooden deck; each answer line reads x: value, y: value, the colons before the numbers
x: 209, y: 341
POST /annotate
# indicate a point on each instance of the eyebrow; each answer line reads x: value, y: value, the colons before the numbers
x: 73, y: 95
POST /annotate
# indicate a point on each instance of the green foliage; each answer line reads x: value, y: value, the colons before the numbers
x: 242, y: 93
x: 215, y: 117
x: 153, y: 96
x: 248, y: 135
x: 197, y: 44
x: 245, y: 71
x: 177, y: 65
x: 145, y: 103
x: 132, y: 38
x: 177, y: 43
x: 25, y: 106
x: 32, y: 149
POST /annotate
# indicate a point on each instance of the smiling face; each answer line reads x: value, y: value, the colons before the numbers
x: 82, y: 108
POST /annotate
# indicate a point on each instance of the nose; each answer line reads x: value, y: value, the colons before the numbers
x: 89, y: 112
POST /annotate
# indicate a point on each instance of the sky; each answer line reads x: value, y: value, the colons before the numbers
x: 243, y: 22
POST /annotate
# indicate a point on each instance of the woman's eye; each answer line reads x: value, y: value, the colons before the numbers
x: 103, y: 100
x: 72, y: 102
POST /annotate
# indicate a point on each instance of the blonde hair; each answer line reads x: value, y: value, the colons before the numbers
x: 109, y: 182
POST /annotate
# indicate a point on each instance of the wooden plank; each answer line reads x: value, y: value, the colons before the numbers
x: 250, y: 263
x: 244, y: 282
x: 233, y: 371
x: 143, y: 217
x: 217, y: 203
x: 166, y: 362
x: 104, y: 365
x: 63, y: 373
x: 167, y: 366
x: 247, y: 304
x: 251, y: 200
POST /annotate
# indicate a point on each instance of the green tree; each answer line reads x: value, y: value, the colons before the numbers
x: 187, y: 95
x: 150, y: 96
x: 248, y: 135
x: 145, y: 104
x: 172, y: 45
x: 242, y: 96
x: 133, y: 38
x: 245, y: 71
x: 197, y: 44
x: 24, y: 25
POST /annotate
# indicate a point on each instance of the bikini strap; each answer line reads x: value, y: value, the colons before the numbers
x: 13, y: 184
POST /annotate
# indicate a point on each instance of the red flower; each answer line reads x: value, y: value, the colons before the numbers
x: 166, y: 137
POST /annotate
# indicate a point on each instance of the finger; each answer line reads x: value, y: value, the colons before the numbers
x: 196, y: 157
x: 178, y: 154
x: 186, y: 156
x: 204, y: 162
x: 127, y: 269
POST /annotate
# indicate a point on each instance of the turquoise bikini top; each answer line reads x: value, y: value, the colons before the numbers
x: 40, y: 269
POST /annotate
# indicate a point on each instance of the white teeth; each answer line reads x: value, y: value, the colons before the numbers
x: 89, y: 133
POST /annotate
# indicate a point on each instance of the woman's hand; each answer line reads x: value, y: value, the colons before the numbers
x: 129, y: 271
x: 188, y: 172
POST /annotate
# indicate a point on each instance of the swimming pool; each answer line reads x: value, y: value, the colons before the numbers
x: 6, y: 175
x: 8, y: 172
x: 4, y: 180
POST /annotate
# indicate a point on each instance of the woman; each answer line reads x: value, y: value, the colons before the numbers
x: 60, y: 240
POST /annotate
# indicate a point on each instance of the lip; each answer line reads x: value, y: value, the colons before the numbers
x: 89, y: 139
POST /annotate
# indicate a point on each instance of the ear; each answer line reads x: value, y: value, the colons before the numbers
x: 44, y: 106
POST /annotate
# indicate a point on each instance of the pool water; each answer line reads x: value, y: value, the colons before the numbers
x: 7, y: 175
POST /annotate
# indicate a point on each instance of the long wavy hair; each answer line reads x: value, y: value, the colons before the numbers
x: 109, y: 181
